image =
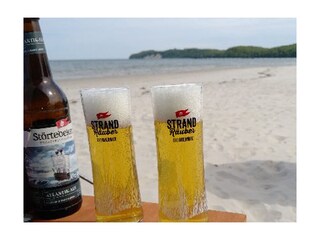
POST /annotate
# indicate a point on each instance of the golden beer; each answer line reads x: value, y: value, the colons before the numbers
x: 114, y: 176
x: 116, y: 188
x: 179, y: 141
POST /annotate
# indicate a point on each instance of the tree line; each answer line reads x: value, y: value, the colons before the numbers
x: 287, y: 51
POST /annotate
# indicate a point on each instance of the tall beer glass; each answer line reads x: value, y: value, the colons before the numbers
x: 178, y: 129
x: 116, y: 188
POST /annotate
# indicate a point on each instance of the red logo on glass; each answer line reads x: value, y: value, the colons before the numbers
x: 182, y: 113
x: 103, y: 115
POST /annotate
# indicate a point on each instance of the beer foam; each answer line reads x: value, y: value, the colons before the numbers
x: 168, y: 99
x: 106, y: 101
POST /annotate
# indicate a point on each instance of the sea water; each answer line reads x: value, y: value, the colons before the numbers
x: 84, y: 69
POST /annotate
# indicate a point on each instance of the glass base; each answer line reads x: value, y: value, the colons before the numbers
x: 132, y: 215
x: 202, y: 217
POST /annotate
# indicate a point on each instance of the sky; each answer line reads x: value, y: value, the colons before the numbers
x: 118, y: 38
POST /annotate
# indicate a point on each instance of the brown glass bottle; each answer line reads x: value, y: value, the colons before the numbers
x: 51, y: 178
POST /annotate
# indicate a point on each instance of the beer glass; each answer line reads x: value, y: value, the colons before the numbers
x: 178, y: 129
x: 109, y: 130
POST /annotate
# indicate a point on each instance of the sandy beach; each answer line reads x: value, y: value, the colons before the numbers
x: 249, y: 121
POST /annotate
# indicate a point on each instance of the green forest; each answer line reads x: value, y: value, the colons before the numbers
x: 287, y: 51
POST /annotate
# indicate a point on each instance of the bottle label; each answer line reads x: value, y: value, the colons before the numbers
x: 55, y: 198
x: 33, y: 43
x: 50, y: 159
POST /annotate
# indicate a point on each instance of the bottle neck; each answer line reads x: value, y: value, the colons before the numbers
x: 36, y: 63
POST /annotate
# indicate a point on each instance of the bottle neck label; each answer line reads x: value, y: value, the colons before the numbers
x: 33, y: 43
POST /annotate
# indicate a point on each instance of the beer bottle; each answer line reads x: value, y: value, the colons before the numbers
x: 51, y: 182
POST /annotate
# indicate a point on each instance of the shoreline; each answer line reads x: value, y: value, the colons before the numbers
x: 249, y: 136
x: 146, y: 81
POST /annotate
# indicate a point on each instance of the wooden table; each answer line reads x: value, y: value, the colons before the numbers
x: 150, y: 210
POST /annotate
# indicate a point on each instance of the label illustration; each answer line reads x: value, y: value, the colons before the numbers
x: 50, y: 157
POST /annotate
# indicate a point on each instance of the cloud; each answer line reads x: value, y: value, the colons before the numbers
x: 69, y: 148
